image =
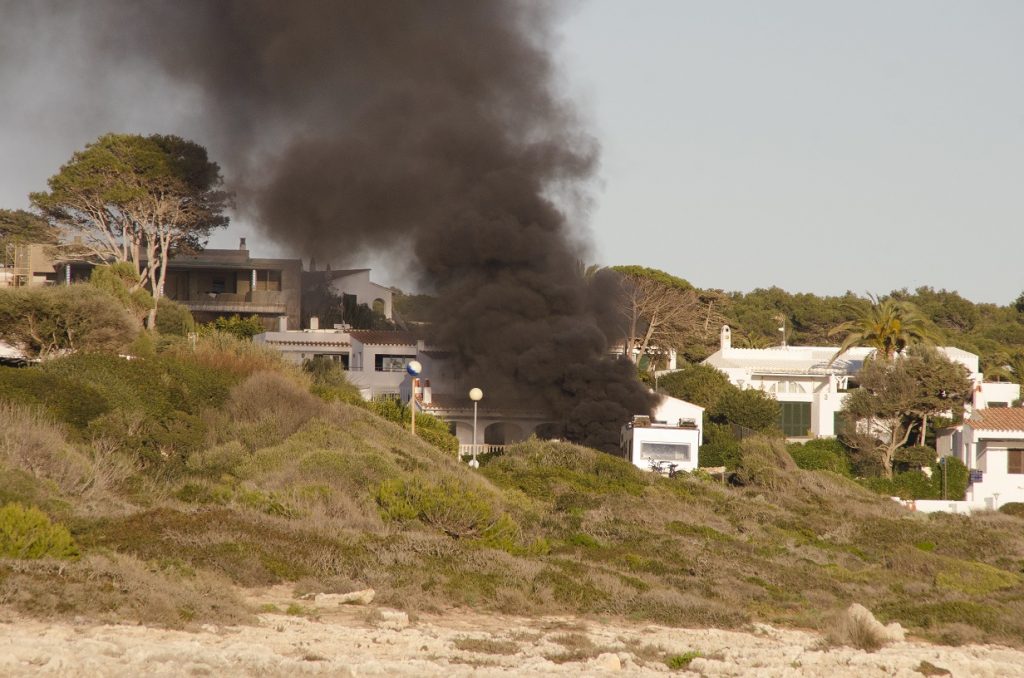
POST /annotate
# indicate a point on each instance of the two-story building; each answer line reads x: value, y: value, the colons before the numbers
x: 223, y: 282
x: 811, y: 387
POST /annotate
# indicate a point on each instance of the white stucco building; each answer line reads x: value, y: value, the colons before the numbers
x: 811, y: 391
x: 672, y: 435
x: 354, y: 282
x: 990, y: 443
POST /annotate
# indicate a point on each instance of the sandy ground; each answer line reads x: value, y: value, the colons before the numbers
x: 371, y: 641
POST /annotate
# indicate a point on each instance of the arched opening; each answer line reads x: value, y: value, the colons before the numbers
x: 379, y: 306
x: 549, y: 430
x: 503, y: 433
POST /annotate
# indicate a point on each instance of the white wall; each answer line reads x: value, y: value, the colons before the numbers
x: 639, y: 435
x: 996, y: 392
x: 365, y: 291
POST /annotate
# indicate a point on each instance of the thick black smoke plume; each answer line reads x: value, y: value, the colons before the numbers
x: 430, y: 129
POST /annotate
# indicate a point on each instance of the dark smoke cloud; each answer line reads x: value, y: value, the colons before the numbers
x: 432, y: 128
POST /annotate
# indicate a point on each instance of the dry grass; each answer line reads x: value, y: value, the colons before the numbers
x: 486, y: 645
x: 120, y: 588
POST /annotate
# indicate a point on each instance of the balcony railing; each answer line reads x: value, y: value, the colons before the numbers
x: 486, y: 448
x: 259, y: 301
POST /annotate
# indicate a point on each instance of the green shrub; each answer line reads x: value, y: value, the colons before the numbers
x: 236, y: 325
x: 1013, y: 508
x: 822, y: 454
x: 956, y: 478
x: 451, y: 507
x: 720, y: 447
x: 71, y: 401
x: 765, y: 463
x: 681, y: 661
x: 751, y: 408
x: 907, y: 485
x: 428, y: 427
x: 699, y: 384
x: 173, y: 318
x: 28, y: 533
x: 913, y: 457
x: 44, y: 321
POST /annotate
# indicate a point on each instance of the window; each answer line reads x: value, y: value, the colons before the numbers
x: 1015, y: 461
x: 795, y: 419
x: 391, y: 363
x: 268, y: 280
x: 997, y: 404
x: 218, y: 284
x: 665, y: 451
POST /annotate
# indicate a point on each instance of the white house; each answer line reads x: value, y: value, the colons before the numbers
x: 810, y: 390
x: 990, y: 442
x: 375, y: 359
x: 354, y: 282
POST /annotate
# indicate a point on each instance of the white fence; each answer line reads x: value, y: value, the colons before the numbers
x: 468, y: 450
x: 946, y: 505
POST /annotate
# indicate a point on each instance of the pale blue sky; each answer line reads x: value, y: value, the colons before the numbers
x: 815, y: 145
x: 819, y: 146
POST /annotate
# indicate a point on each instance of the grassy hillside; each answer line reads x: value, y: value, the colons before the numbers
x: 182, y: 472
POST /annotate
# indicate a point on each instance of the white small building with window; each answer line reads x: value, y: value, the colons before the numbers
x: 990, y: 443
x: 671, y: 436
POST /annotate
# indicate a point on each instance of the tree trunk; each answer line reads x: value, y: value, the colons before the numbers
x: 924, y: 429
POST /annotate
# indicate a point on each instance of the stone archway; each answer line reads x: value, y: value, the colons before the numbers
x: 503, y: 433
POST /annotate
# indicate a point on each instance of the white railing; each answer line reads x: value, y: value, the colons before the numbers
x: 467, y: 450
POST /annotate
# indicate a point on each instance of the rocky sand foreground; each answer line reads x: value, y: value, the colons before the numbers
x: 324, y: 638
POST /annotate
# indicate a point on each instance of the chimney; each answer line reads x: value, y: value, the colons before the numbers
x: 314, y: 323
x: 426, y: 392
x: 726, y: 338
x: 282, y: 323
x: 241, y: 244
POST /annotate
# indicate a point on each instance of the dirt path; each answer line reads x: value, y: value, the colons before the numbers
x: 371, y: 641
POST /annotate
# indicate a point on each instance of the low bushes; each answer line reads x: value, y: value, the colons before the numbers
x: 44, y: 321
x: 28, y: 533
x: 451, y: 507
x: 822, y: 454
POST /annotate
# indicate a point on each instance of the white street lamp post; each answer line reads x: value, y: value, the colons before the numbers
x: 475, y: 395
x: 413, y: 368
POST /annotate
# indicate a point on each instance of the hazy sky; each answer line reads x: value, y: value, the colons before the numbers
x: 815, y: 145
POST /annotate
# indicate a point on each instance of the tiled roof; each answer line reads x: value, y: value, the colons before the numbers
x: 998, y: 419
x: 384, y: 337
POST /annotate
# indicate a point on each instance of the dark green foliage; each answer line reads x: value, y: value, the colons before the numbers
x: 908, y: 485
x: 173, y: 318
x: 236, y: 326
x: 71, y: 400
x: 654, y: 274
x: 750, y: 408
x: 957, y: 477
x: 720, y: 447
x: 914, y: 457
x: 454, y: 509
x: 122, y: 282
x: 1013, y: 508
x: 46, y: 321
x: 699, y: 384
x: 18, y: 227
x: 821, y: 454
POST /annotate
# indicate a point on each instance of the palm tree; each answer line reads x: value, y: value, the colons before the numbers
x: 888, y: 326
